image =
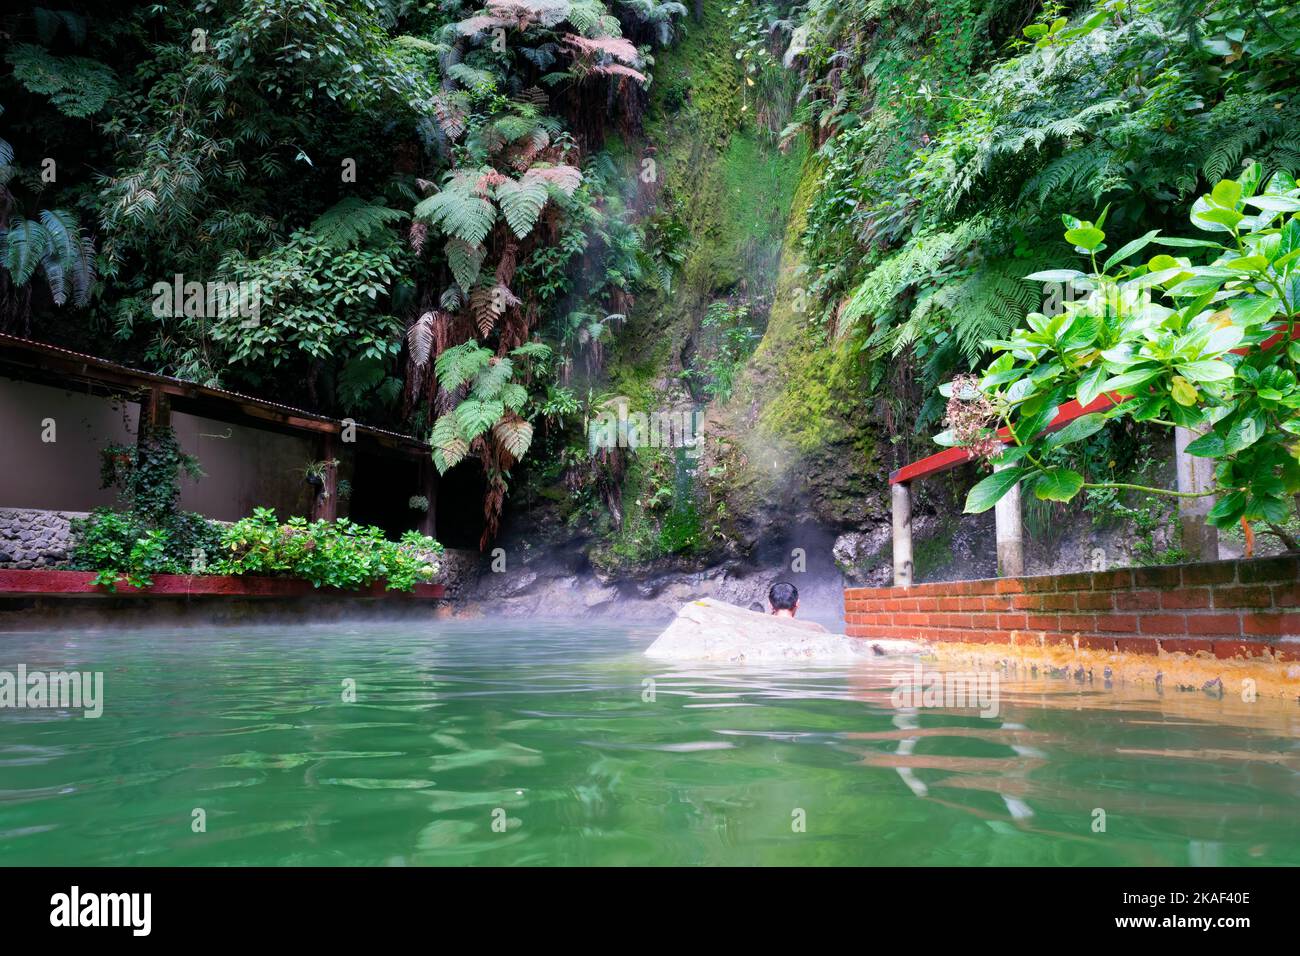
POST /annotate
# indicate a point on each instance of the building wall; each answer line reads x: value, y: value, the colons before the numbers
x: 246, y: 467
x: 62, y: 474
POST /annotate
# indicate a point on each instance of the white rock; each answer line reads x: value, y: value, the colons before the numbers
x: 711, y: 630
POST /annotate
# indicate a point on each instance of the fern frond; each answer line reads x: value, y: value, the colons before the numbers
x: 521, y: 203
x: 457, y: 211
x: 474, y: 417
x: 465, y: 261
x: 515, y: 435
x: 351, y: 220
x: 26, y: 244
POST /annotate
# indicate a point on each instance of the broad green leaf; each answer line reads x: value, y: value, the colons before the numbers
x: 1227, y: 193
x: 1244, y: 432
x: 1274, y: 203
x: 1055, y: 275
x: 1087, y: 238
x: 1126, y: 250
x: 1183, y: 392
x: 1058, y: 484
x: 988, y: 492
x: 1206, y: 370
x: 1090, y: 385
x: 1077, y: 430
x: 1128, y: 381
x: 1181, y: 243
x: 1228, y: 510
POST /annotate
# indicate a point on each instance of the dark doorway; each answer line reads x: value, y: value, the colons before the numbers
x: 382, y: 486
x: 460, y: 506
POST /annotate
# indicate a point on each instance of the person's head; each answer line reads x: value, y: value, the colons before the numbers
x: 784, y: 598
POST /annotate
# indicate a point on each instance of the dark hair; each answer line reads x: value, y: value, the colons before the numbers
x: 783, y: 596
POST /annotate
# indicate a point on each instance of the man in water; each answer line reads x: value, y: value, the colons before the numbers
x: 784, y: 599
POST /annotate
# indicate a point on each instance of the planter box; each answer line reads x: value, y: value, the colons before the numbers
x: 80, y: 584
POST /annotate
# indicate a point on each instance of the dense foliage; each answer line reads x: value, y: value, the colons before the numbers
x: 390, y: 179
x: 339, y: 554
x: 147, y: 533
x: 955, y: 133
x: 1218, y: 355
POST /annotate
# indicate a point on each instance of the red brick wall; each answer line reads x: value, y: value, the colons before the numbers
x: 1226, y: 608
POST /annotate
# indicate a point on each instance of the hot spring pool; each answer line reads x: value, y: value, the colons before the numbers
x: 525, y: 744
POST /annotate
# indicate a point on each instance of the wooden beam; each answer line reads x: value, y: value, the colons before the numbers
x: 956, y: 457
x: 951, y: 458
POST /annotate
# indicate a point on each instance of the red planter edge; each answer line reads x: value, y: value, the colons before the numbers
x: 26, y: 583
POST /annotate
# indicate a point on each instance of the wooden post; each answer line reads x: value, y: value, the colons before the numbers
x: 429, y: 488
x: 1200, y: 540
x: 1010, y: 540
x: 326, y: 506
x: 901, y: 499
x: 155, y: 413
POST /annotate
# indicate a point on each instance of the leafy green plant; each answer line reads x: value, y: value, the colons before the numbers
x: 492, y: 401
x: 1220, y: 358
x: 338, y: 554
x: 729, y: 338
x: 148, y: 534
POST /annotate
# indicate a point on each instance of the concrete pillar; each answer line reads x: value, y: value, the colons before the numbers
x: 1010, y: 539
x: 1200, y: 541
x: 901, y: 499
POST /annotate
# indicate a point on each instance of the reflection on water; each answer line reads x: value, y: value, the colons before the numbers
x: 506, y: 744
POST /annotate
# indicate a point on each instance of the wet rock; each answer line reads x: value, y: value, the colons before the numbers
x: 709, y: 630
x: 861, y: 555
x: 597, y: 596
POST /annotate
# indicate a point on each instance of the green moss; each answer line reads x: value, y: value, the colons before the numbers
x: 934, y: 553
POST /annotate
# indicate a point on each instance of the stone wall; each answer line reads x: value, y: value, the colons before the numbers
x: 32, y: 538
x: 459, y: 572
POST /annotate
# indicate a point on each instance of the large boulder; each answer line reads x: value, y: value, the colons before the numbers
x: 711, y: 630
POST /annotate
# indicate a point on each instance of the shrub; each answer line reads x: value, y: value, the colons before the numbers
x: 116, y: 544
x: 338, y: 553
x: 1221, y: 358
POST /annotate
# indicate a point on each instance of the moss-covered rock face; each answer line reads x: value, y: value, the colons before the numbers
x: 794, y: 443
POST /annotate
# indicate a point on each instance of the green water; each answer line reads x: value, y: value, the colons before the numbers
x: 535, y: 744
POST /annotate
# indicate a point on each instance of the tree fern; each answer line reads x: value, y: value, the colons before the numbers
x: 521, y: 203
x: 458, y: 211
x: 351, y: 221
x: 465, y: 261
